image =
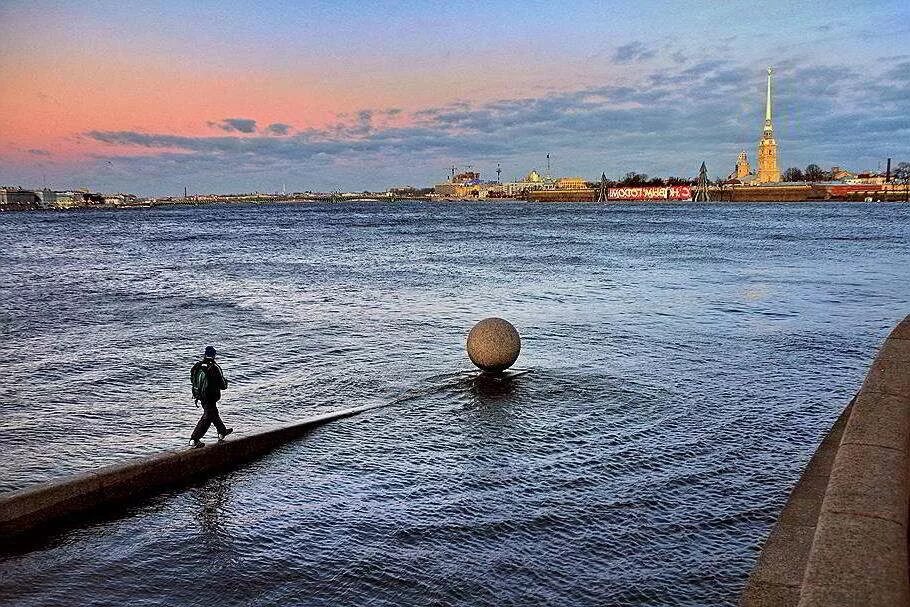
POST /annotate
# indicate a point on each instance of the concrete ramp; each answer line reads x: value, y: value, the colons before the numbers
x: 34, y: 509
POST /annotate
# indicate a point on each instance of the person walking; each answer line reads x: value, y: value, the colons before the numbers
x: 208, y: 382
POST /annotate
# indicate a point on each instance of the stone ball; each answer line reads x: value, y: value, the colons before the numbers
x: 493, y: 344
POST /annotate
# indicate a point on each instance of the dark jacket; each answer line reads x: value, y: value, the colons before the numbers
x: 217, y: 383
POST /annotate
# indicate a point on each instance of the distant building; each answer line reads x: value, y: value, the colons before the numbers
x: 839, y: 174
x: 88, y: 198
x: 466, y: 177
x: 742, y: 166
x: 532, y: 182
x: 466, y: 185
x: 866, y: 179
x: 742, y: 173
x: 67, y: 200
x: 48, y: 198
x: 768, y: 167
x: 571, y: 183
x: 17, y: 198
x: 470, y: 185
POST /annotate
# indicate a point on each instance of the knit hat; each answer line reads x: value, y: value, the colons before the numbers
x: 210, y: 351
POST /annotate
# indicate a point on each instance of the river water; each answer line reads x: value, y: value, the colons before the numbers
x: 682, y: 363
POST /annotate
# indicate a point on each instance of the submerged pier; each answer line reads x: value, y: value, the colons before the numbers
x: 33, y: 510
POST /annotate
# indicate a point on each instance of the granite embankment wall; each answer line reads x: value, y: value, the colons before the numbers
x: 841, y: 539
x: 36, y: 509
x: 793, y: 192
x: 586, y: 195
x: 806, y: 192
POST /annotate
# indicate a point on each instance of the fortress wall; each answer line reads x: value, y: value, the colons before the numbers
x: 745, y: 193
x: 806, y: 192
x: 585, y: 195
x: 34, y: 509
x: 842, y: 538
x: 797, y: 192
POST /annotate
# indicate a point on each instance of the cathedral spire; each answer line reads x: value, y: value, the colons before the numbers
x: 768, y: 128
x: 768, y: 169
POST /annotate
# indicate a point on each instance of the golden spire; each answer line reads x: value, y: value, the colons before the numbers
x: 768, y: 128
x: 768, y: 169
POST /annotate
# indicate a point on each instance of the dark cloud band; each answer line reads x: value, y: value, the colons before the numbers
x: 666, y: 122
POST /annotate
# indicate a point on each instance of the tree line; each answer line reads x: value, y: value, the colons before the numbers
x: 812, y: 172
x: 642, y: 179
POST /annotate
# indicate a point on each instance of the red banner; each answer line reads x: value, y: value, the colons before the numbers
x: 672, y: 192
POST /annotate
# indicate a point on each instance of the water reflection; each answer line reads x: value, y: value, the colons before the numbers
x: 210, y: 505
x: 490, y: 388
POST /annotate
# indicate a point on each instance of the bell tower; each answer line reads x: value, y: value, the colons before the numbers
x: 768, y: 168
x: 742, y: 166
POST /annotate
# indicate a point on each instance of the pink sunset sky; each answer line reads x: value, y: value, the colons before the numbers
x: 152, y: 97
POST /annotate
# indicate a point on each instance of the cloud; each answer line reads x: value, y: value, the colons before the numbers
x: 278, y: 128
x: 665, y: 122
x: 900, y: 72
x: 633, y: 51
x: 830, y: 26
x: 37, y: 152
x: 241, y: 125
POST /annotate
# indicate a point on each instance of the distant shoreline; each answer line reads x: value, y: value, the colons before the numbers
x: 487, y: 202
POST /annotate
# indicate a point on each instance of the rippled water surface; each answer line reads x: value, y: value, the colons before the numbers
x: 682, y: 364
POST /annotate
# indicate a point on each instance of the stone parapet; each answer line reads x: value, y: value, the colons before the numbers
x: 778, y: 575
x: 842, y: 537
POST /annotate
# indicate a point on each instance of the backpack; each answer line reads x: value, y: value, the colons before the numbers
x: 201, y: 381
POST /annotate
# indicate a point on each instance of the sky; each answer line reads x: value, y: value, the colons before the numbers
x: 151, y: 97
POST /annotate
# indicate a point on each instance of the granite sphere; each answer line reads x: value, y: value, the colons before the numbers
x: 493, y: 344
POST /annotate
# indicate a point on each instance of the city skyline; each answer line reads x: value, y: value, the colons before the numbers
x: 336, y: 96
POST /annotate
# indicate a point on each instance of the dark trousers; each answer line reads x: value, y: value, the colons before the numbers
x: 209, y: 416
